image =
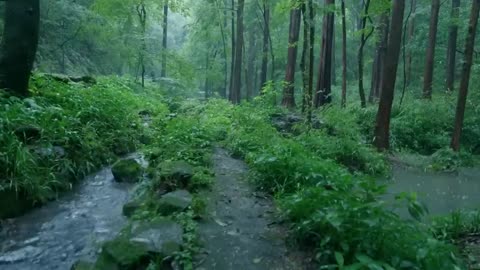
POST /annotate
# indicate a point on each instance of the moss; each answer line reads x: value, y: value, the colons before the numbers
x: 122, y: 254
x: 127, y: 170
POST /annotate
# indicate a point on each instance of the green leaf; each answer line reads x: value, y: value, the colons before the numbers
x: 339, y: 258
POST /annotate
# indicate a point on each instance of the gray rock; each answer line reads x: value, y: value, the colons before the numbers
x: 122, y: 253
x: 30, y: 103
x: 178, y: 173
x: 162, y: 236
x: 176, y: 201
x: 127, y: 170
x: 50, y: 152
x: 130, y: 208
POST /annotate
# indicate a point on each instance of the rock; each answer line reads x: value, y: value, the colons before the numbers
x: 127, y: 170
x: 176, y: 201
x: 28, y: 134
x: 13, y: 204
x: 50, y: 152
x: 122, y: 254
x: 30, y: 103
x: 178, y: 173
x: 86, y: 79
x: 130, y: 208
x: 82, y: 265
x: 161, y: 236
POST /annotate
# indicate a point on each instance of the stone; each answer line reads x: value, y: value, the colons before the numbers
x: 130, y: 208
x: 179, y: 173
x: 13, y: 204
x: 175, y: 201
x: 50, y: 152
x: 162, y: 237
x: 82, y: 265
x: 30, y: 103
x: 127, y: 170
x: 28, y: 134
x: 120, y: 254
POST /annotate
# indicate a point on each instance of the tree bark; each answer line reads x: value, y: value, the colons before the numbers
x: 363, y: 40
x: 344, y: 57
x: 20, y: 41
x: 324, y: 83
x: 467, y: 66
x: 250, y: 78
x: 411, y: 34
x: 235, y: 96
x: 233, y: 49
x: 382, y: 128
x: 452, y: 45
x: 266, y: 35
x: 430, y: 55
x: 164, y: 42
x: 379, y: 60
x: 288, y: 99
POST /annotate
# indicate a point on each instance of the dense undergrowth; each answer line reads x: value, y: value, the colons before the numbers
x: 321, y: 180
x: 64, y: 131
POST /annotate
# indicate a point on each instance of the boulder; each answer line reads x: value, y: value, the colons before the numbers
x: 162, y: 237
x: 178, y: 173
x: 122, y: 254
x: 82, y: 265
x: 175, y: 201
x: 130, y: 208
x: 127, y: 170
x: 28, y: 134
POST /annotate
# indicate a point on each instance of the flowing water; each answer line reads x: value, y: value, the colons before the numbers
x: 61, y: 232
x: 441, y: 192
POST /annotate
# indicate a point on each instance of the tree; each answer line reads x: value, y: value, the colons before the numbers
x: 20, y: 41
x: 411, y: 34
x: 363, y: 41
x: 430, y: 55
x: 380, y: 55
x: 288, y: 99
x: 235, y: 94
x: 467, y: 66
x: 266, y: 37
x: 452, y: 45
x: 164, y: 41
x: 308, y: 56
x: 324, y: 83
x: 344, y: 56
x: 382, y: 127
x: 142, y: 17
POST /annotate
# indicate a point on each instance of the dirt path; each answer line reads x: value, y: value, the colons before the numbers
x: 238, y: 235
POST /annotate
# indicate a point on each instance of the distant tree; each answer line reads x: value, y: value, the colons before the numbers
x: 308, y: 55
x: 467, y: 66
x: 452, y: 45
x: 235, y: 95
x: 266, y: 37
x: 324, y: 83
x: 20, y: 41
x: 410, y: 38
x: 430, y: 55
x: 380, y: 55
x: 142, y: 18
x: 363, y: 40
x: 344, y: 56
x: 294, y: 32
x: 165, y: 39
x: 382, y: 127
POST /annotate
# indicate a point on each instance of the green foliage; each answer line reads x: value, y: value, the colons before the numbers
x: 446, y: 159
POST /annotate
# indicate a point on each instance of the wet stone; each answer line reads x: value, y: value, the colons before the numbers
x: 130, y: 208
x: 175, y: 201
x: 176, y: 173
x: 82, y: 265
x: 122, y: 254
x: 127, y: 170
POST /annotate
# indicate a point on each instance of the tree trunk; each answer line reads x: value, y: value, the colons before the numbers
x: 20, y: 40
x: 207, y: 77
x: 382, y: 128
x: 467, y: 66
x: 452, y: 45
x: 363, y: 40
x: 294, y: 32
x: 344, y: 57
x: 142, y: 17
x: 304, y: 58
x: 411, y: 34
x: 266, y: 35
x: 235, y: 96
x: 233, y: 49
x: 430, y: 55
x: 324, y: 84
x: 164, y: 42
x: 249, y: 78
x: 379, y: 60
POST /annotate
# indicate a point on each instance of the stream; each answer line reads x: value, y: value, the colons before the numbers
x: 59, y: 233
x: 442, y: 193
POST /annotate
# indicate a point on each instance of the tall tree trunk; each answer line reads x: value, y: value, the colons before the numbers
x: 452, y: 45
x: 344, y: 57
x: 382, y: 128
x: 334, y: 57
x: 324, y: 84
x: 467, y: 66
x: 235, y: 96
x: 379, y: 60
x: 304, y: 58
x: 142, y: 17
x: 411, y: 35
x: 430, y: 55
x: 20, y: 40
x: 363, y: 41
x: 233, y: 49
x: 266, y: 35
x: 288, y: 99
x: 164, y: 42
x: 250, y: 78
x: 207, y: 77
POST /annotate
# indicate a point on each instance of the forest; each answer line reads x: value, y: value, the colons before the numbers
x: 239, y: 134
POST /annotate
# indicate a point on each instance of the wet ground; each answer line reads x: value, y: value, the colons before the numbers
x: 441, y: 192
x: 240, y: 232
x: 71, y: 228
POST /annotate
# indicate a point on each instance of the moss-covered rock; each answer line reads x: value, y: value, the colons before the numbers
x: 82, y: 265
x: 122, y: 254
x: 130, y: 208
x: 127, y: 170
x: 13, y: 204
x: 28, y: 134
x: 177, y: 174
x: 172, y: 202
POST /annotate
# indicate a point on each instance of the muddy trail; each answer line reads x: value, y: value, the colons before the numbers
x: 59, y: 233
x: 240, y: 231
